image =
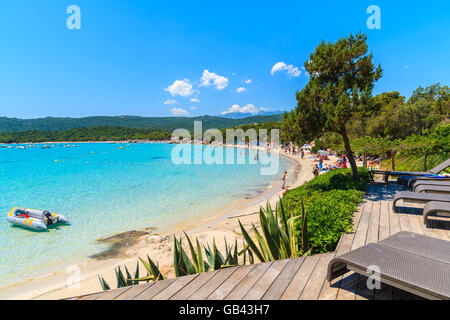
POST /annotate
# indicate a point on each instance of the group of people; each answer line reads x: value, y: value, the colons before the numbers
x: 342, y: 161
x: 295, y: 151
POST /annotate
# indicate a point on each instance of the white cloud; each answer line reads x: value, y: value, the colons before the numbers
x: 249, y: 108
x: 195, y: 100
x: 233, y: 74
x: 210, y: 78
x: 241, y: 89
x: 179, y: 112
x: 292, y: 71
x: 193, y: 108
x: 181, y: 88
x: 248, y: 81
x: 170, y: 101
x: 406, y: 67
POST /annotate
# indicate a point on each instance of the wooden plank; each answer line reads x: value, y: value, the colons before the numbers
x: 193, y: 286
x: 348, y: 284
x: 93, y: 296
x: 229, y: 284
x: 283, y: 280
x: 153, y: 290
x: 112, y: 294
x: 363, y: 292
x: 374, y: 223
x: 357, y: 217
x: 414, y: 223
x: 212, y: 284
x: 252, y: 277
x: 348, y: 287
x: 298, y: 283
x: 394, y: 221
x: 426, y: 231
x: 405, y: 223
x: 363, y: 226
x: 318, y: 278
x: 261, y: 286
x: 384, y: 231
x: 331, y: 290
x: 134, y: 291
x: 174, y: 287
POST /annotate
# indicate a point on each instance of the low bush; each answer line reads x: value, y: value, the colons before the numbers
x: 330, y: 201
x: 330, y: 215
x: 341, y: 179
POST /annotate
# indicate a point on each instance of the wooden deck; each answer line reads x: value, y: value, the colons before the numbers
x: 301, y: 278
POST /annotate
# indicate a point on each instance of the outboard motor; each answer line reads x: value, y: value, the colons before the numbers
x: 48, y: 216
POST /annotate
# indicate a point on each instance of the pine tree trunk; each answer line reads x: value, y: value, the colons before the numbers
x: 425, y: 163
x: 350, y: 157
x: 393, y: 160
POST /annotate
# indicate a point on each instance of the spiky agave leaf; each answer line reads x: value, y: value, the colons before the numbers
x: 121, y: 281
x: 203, y: 266
x: 283, y: 217
x: 305, y: 244
x: 136, y: 273
x: 251, y: 244
x: 236, y: 254
x: 196, y: 263
x: 129, y: 277
x: 263, y: 246
x: 103, y: 284
x: 209, y: 256
x: 153, y: 273
x: 218, y: 258
x: 185, y: 266
x: 176, y: 258
x: 271, y: 231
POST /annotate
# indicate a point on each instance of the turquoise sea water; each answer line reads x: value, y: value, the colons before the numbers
x: 105, y: 190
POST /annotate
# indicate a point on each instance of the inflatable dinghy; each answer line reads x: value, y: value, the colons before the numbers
x: 35, y: 219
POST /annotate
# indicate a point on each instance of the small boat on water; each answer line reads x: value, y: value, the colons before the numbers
x: 35, y: 219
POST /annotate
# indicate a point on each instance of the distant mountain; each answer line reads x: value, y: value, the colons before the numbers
x: 156, y: 123
x: 239, y: 115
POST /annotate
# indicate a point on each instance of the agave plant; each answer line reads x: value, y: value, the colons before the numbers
x: 183, y: 265
x: 277, y: 240
x: 121, y: 280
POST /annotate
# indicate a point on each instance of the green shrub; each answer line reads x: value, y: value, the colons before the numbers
x: 330, y: 201
x: 334, y: 180
x: 330, y: 215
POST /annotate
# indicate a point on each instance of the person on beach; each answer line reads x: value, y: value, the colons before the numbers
x: 284, y: 180
x: 316, y: 170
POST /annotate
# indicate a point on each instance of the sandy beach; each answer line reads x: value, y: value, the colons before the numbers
x: 83, y: 278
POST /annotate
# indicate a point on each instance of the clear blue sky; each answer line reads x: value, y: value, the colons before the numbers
x: 128, y: 54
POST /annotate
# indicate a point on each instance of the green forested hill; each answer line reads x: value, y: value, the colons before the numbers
x: 155, y: 123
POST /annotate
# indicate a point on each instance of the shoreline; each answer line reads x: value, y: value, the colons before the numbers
x: 221, y: 223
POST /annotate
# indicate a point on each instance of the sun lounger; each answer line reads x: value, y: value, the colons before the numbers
x: 419, y: 183
x: 418, y: 197
x: 405, y: 176
x: 415, y: 263
x: 413, y: 180
x: 433, y: 189
x: 444, y: 165
x: 435, y: 207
